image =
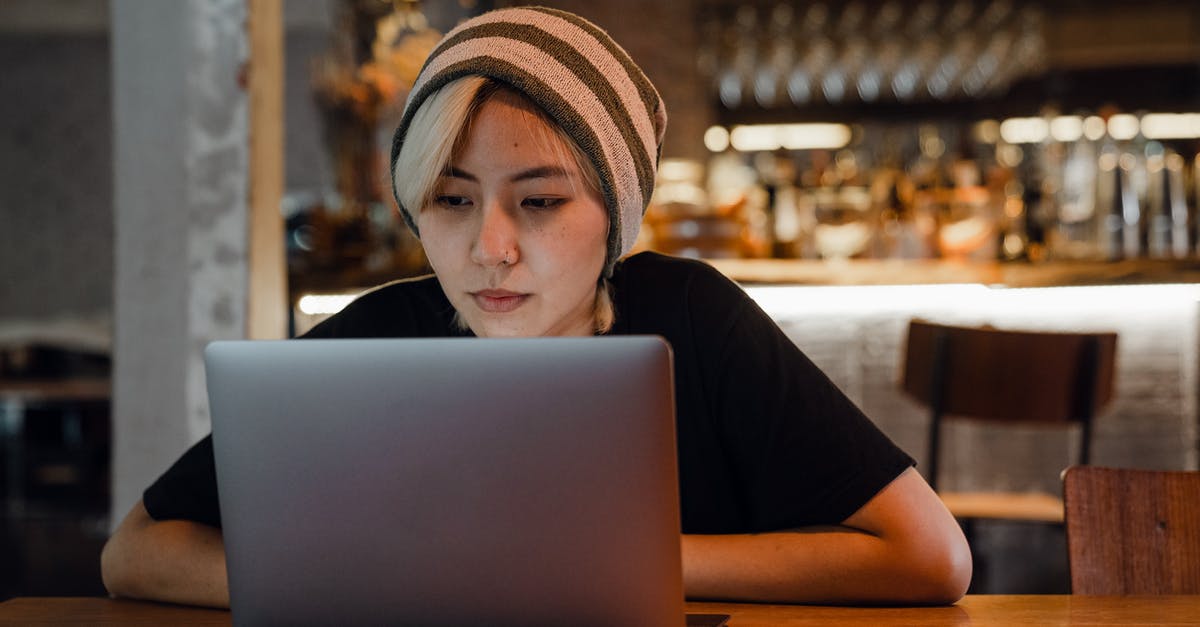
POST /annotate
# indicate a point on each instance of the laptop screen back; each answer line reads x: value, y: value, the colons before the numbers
x: 448, y: 481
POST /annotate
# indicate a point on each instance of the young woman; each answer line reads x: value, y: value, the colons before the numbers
x: 524, y: 161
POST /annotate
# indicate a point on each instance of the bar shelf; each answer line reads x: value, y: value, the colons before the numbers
x: 935, y: 271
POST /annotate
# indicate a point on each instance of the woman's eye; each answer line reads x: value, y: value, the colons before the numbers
x: 453, y: 202
x: 544, y: 203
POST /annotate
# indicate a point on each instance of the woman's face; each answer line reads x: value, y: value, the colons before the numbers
x: 514, y: 234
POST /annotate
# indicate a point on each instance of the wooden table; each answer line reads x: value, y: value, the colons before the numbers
x: 997, y: 610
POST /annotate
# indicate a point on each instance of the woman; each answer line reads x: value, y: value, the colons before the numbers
x: 524, y: 161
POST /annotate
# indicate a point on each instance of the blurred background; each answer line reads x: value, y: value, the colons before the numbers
x: 854, y: 164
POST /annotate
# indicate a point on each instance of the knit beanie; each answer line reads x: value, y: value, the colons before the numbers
x: 582, y: 79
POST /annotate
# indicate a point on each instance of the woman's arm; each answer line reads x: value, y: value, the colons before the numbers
x: 902, y: 546
x: 174, y: 560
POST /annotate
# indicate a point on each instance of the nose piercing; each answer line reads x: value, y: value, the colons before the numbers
x: 506, y: 261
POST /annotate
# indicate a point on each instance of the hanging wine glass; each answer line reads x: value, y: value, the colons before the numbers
x: 943, y: 81
x: 774, y: 51
x: 994, y: 15
x: 957, y: 17
x: 779, y: 56
x: 816, y: 18
x: 878, y: 69
x: 799, y: 86
x: 820, y: 54
x: 921, y: 22
x: 844, y: 71
x: 887, y: 18
x: 852, y: 18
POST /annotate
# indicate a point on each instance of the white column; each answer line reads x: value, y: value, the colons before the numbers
x: 182, y: 190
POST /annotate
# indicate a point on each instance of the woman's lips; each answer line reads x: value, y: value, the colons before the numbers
x: 498, y: 301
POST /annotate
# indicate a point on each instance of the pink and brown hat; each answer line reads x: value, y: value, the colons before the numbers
x: 583, y: 80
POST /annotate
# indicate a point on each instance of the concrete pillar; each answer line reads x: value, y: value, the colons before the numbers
x: 183, y: 184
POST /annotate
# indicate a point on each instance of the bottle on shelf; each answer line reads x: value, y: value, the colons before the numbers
x: 901, y: 232
x: 1013, y: 241
x: 1034, y: 219
x: 966, y: 217
x: 1166, y: 207
x: 1121, y: 232
x: 784, y: 222
x: 1077, y: 215
x: 1193, y: 232
x: 843, y: 225
x: 898, y: 192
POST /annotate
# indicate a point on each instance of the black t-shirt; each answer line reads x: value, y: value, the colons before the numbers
x: 766, y: 441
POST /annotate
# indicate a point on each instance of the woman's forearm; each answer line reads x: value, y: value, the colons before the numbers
x: 835, y: 565
x: 901, y: 547
x: 175, y: 561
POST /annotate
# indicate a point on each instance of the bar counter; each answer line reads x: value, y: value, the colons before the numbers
x: 854, y: 272
x: 851, y: 319
x: 927, y: 272
x: 972, y: 610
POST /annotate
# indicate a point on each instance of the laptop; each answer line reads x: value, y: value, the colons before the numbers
x: 448, y: 481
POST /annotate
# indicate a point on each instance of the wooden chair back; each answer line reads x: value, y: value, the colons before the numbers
x: 1010, y: 376
x: 1132, y: 531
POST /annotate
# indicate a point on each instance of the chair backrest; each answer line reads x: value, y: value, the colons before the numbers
x: 1006, y: 375
x: 1132, y: 531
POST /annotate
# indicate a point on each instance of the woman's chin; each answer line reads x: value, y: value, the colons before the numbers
x: 498, y: 328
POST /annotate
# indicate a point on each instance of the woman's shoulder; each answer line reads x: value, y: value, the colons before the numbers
x: 658, y: 272
x: 675, y: 297
x: 406, y: 307
x: 655, y: 264
x: 420, y: 288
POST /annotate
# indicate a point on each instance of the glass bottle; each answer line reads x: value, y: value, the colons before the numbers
x: 1077, y: 204
x: 1167, y: 207
x: 1120, y: 236
x: 902, y: 234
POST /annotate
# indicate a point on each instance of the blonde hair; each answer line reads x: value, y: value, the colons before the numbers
x: 439, y: 129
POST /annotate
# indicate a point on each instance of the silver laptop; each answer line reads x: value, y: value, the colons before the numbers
x: 448, y: 481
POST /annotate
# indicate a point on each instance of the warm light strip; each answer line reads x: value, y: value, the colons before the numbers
x: 1024, y: 130
x: 315, y: 304
x: 716, y: 139
x: 793, y: 300
x: 1122, y: 126
x: 783, y: 302
x: 1066, y: 128
x: 750, y: 138
x: 1171, y: 125
x: 1031, y: 130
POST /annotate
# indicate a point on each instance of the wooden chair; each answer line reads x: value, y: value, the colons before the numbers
x: 1132, y: 531
x: 1011, y: 377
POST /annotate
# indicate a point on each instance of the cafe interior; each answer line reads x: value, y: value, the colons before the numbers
x: 980, y: 218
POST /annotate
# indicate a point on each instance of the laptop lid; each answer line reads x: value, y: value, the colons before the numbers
x: 448, y: 481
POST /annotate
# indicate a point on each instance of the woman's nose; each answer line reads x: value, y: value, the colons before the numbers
x: 496, y: 243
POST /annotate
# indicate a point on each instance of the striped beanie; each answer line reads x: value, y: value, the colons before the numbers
x: 582, y: 79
